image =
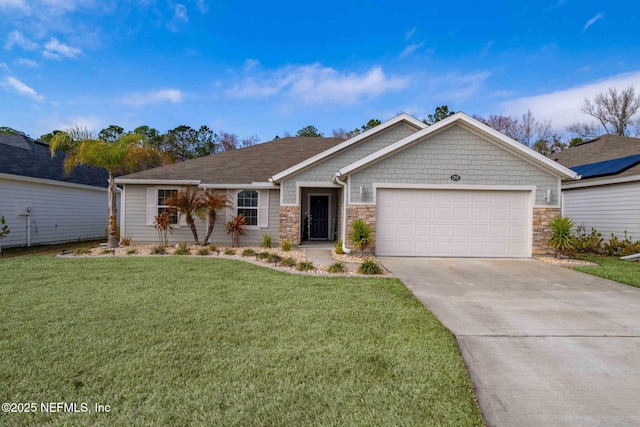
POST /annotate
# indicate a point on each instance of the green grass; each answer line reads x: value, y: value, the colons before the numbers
x: 192, y: 341
x: 612, y: 268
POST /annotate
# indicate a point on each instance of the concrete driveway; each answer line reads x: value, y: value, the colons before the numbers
x: 544, y: 345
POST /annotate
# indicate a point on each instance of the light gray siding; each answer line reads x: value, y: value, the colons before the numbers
x: 136, y: 222
x: 609, y: 209
x: 58, y: 213
x: 454, y: 151
x: 323, y: 171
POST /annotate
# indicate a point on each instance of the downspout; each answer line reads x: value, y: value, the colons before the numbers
x: 345, y: 199
x: 123, y: 231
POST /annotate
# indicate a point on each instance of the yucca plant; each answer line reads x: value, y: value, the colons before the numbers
x: 286, y: 245
x: 369, y: 266
x: 561, y: 240
x: 305, y: 266
x: 361, y: 235
x: 237, y: 227
x: 288, y: 262
x: 337, y: 267
x: 338, y: 246
x: 267, y: 240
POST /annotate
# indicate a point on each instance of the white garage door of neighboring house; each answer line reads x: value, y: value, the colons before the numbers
x: 456, y: 223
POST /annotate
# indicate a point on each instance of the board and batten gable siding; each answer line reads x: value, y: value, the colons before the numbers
x: 608, y: 209
x: 454, y: 151
x: 59, y: 213
x: 325, y: 170
x: 141, y: 231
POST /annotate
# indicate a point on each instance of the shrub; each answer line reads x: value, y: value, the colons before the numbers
x: 132, y: 251
x: 81, y: 251
x: 164, y: 226
x: 126, y: 241
x: 263, y: 255
x: 182, y: 249
x: 204, y: 251
x: 212, y: 247
x: 338, y: 246
x: 267, y: 240
x: 337, y: 267
x: 617, y: 247
x: 286, y: 245
x: 361, y: 235
x: 230, y: 252
x: 4, y: 228
x: 305, y: 266
x: 288, y: 262
x: 107, y: 252
x: 237, y: 227
x: 561, y: 240
x: 248, y: 252
x: 369, y: 266
x: 158, y: 250
x: 591, y: 243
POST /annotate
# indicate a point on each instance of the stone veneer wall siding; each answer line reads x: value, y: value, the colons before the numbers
x: 290, y: 223
x: 542, y: 231
x: 365, y: 212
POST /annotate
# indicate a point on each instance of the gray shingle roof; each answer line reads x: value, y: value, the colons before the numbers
x: 23, y: 156
x: 605, y: 147
x: 257, y: 163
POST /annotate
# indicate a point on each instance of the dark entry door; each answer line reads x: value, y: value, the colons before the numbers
x: 319, y: 226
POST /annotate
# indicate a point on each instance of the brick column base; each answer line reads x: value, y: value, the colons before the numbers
x: 365, y: 212
x: 290, y: 224
x: 542, y: 231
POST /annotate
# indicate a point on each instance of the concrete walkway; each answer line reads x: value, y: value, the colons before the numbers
x: 544, y: 345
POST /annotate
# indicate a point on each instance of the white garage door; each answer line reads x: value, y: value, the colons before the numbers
x: 457, y: 223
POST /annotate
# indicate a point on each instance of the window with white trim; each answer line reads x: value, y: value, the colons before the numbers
x: 163, y: 195
x: 247, y: 205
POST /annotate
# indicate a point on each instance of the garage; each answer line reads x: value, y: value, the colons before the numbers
x: 453, y: 222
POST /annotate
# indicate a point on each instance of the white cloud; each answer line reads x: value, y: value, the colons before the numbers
x: 592, y: 21
x: 56, y: 50
x: 563, y: 107
x: 202, y: 6
x: 140, y: 99
x: 16, y: 38
x: 14, y: 4
x: 410, y: 49
x: 27, y: 62
x: 4, y: 66
x: 180, y: 13
x: 314, y: 84
x: 557, y: 4
x: 251, y: 64
x: 410, y: 33
x: 463, y: 86
x: 21, y: 88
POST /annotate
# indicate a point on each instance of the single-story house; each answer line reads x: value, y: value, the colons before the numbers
x: 43, y: 205
x: 455, y: 188
x: 607, y: 197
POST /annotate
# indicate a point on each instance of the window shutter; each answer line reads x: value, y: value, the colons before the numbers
x: 263, y: 208
x: 152, y: 205
x: 231, y: 209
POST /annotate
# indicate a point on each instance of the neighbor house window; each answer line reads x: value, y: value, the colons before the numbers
x: 163, y: 196
x: 248, y: 206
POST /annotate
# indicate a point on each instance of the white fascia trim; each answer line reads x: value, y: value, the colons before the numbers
x: 158, y: 181
x: 380, y: 128
x: 253, y: 185
x: 580, y: 184
x: 462, y: 118
x: 51, y: 182
x: 310, y: 184
x: 392, y: 185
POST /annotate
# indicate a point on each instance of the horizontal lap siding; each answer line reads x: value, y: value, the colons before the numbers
x: 136, y: 222
x: 59, y: 214
x: 608, y: 209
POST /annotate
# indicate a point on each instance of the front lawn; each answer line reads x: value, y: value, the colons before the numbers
x: 190, y: 341
x: 612, y: 268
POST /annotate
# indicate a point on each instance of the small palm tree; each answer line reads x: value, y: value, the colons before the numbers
x: 361, y: 235
x: 213, y: 201
x: 188, y: 202
x: 123, y: 154
x: 561, y: 238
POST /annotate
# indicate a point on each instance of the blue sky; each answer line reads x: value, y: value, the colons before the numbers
x: 265, y: 68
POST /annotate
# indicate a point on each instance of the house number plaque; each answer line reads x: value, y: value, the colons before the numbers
x: 455, y: 177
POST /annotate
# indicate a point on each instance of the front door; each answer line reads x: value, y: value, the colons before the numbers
x: 319, y: 218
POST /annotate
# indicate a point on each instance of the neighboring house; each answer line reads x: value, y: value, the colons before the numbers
x: 456, y: 188
x: 607, y: 197
x: 42, y: 204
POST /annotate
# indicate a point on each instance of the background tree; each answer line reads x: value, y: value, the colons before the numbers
x: 183, y: 142
x: 442, y: 112
x: 125, y: 154
x: 47, y: 137
x: 6, y: 130
x: 536, y: 134
x: 309, y: 131
x: 111, y: 133
x: 549, y: 146
x: 615, y: 111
